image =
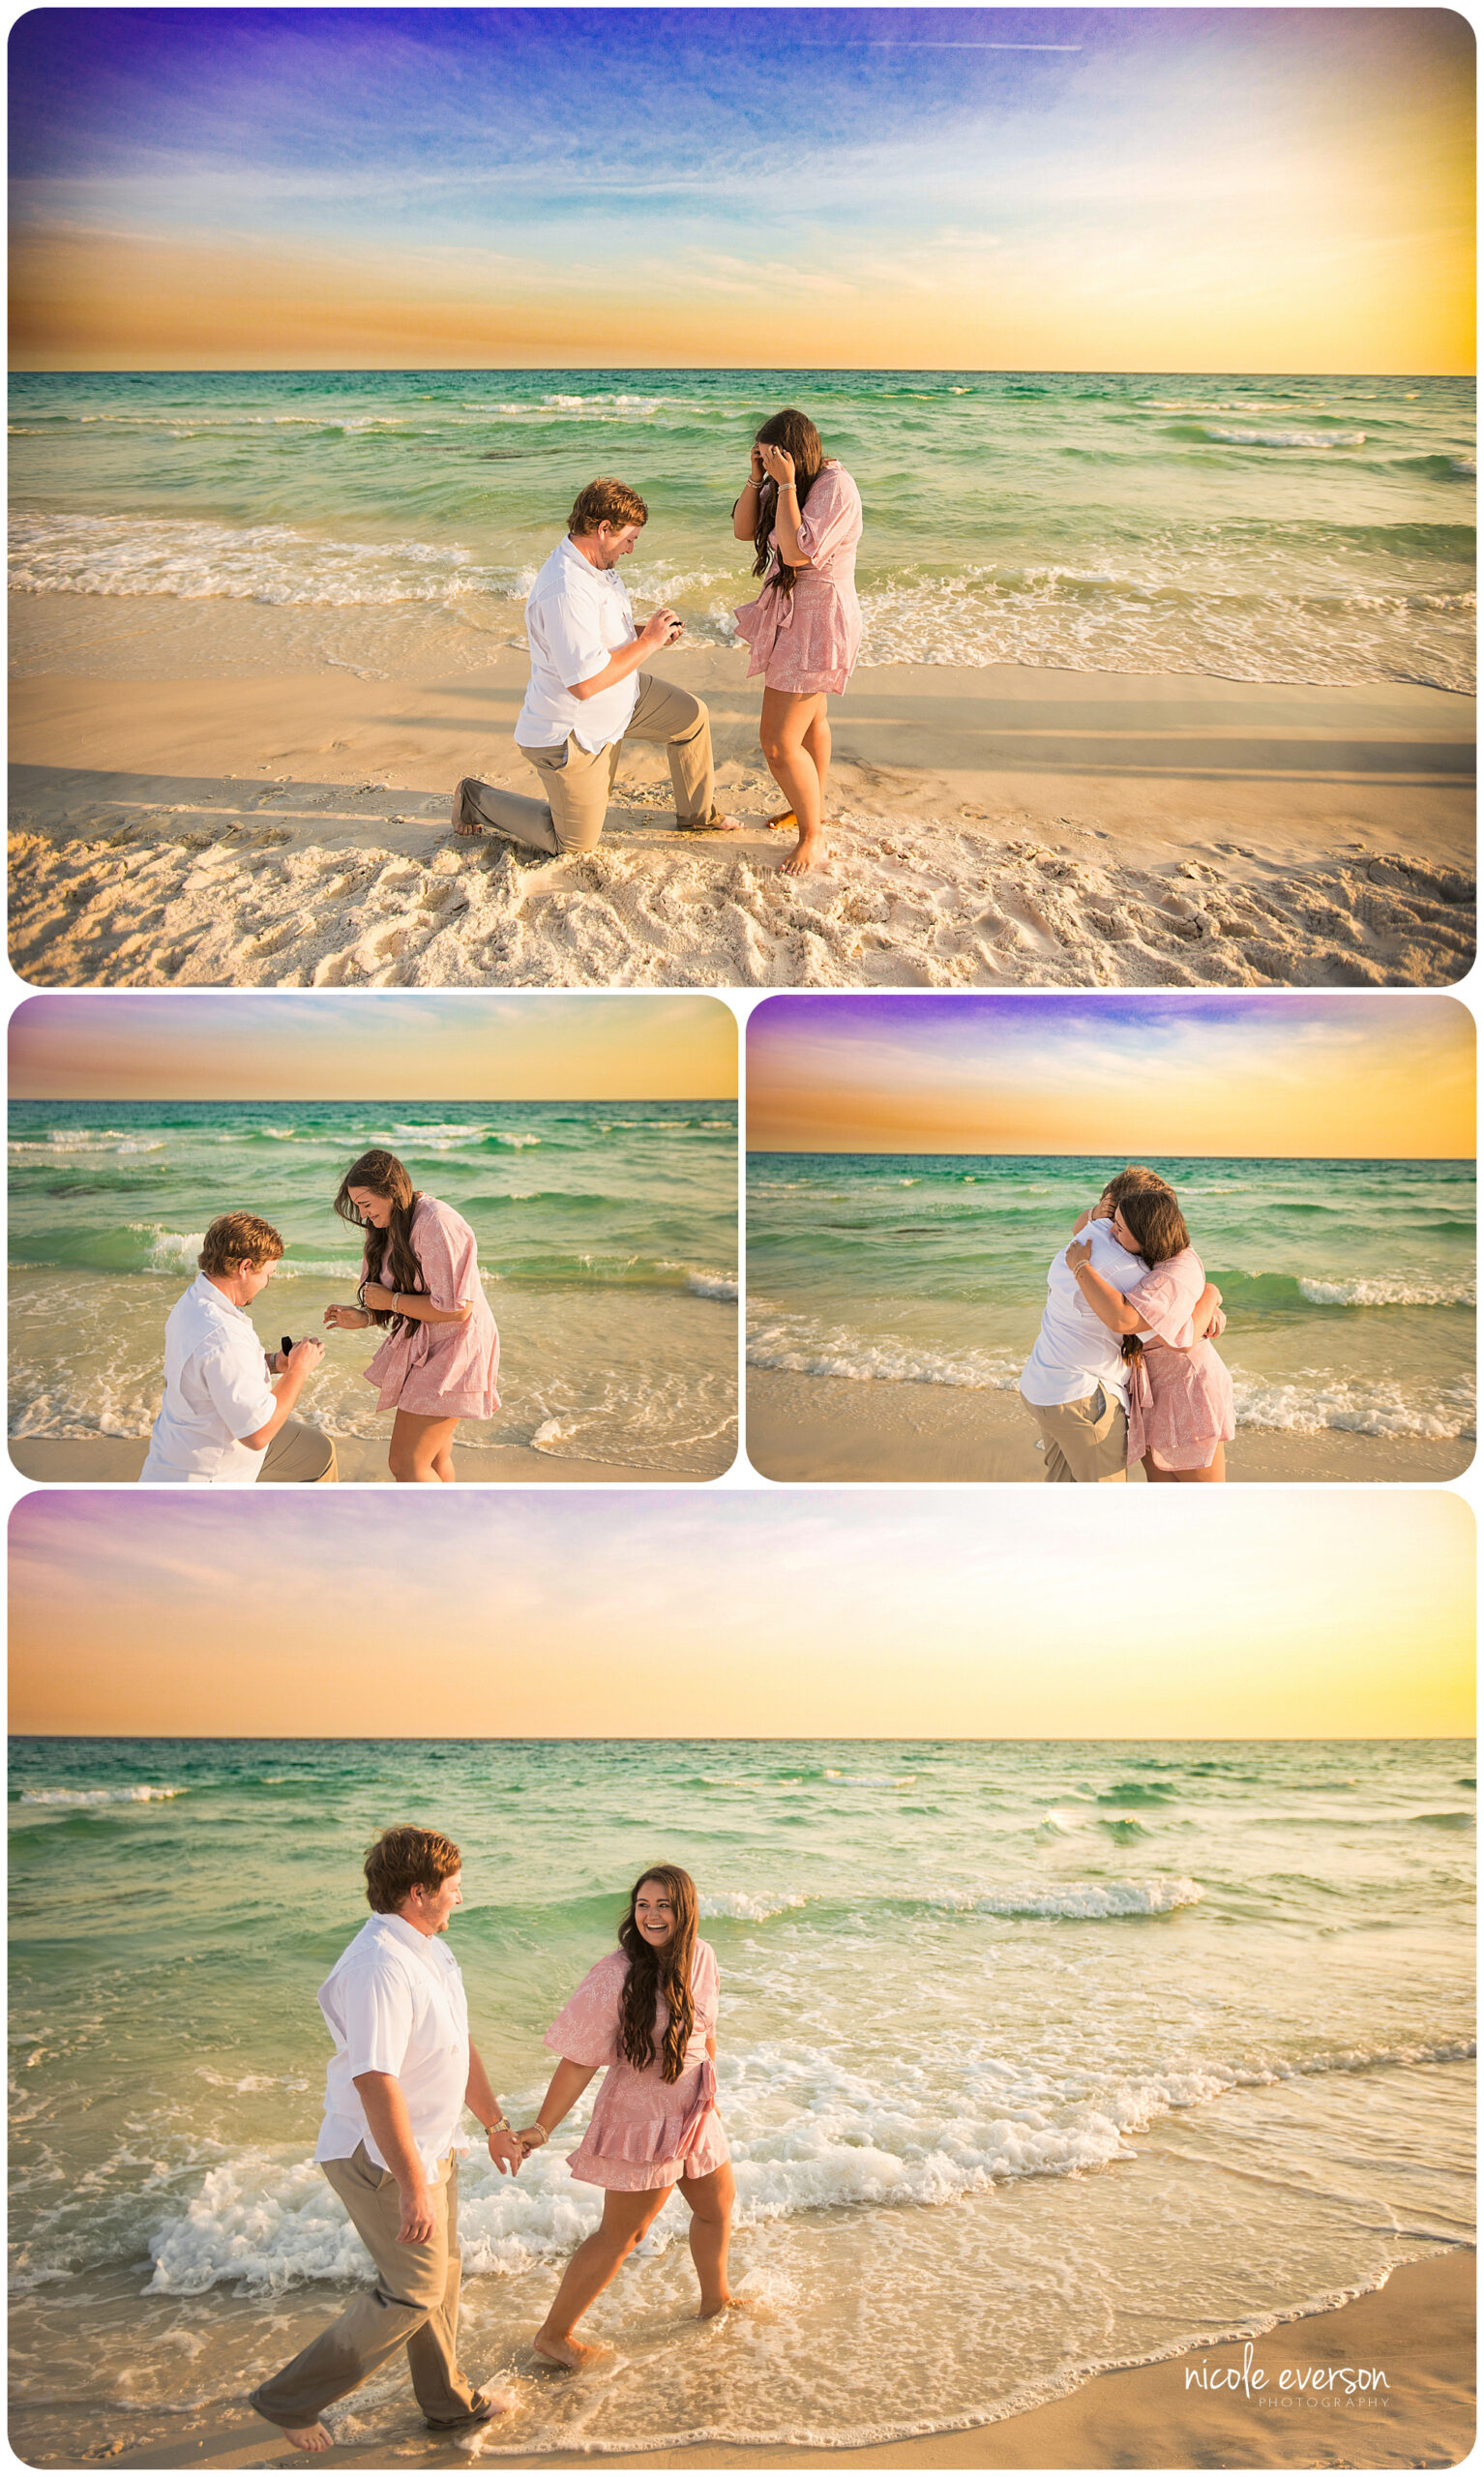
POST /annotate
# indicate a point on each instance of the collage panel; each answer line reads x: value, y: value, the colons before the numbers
x: 291, y: 1240
x: 1156, y: 1238
x: 1084, y: 2034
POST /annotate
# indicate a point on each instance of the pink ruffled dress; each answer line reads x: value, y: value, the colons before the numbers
x: 810, y: 639
x: 1179, y: 1400
x: 440, y: 1371
x: 645, y: 2131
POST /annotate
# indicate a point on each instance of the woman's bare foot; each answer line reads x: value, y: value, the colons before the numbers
x: 571, y: 2355
x: 705, y: 2312
x: 315, y: 2437
x: 809, y: 853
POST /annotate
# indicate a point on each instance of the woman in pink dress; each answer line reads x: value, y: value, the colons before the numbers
x: 1180, y: 1413
x: 802, y: 513
x: 647, y: 2012
x: 420, y: 1271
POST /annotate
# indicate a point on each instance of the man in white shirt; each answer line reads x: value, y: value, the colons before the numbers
x: 589, y: 693
x: 225, y: 1421
x: 1075, y: 1384
x: 403, y: 2069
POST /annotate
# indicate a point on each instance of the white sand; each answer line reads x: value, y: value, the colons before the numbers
x: 990, y: 827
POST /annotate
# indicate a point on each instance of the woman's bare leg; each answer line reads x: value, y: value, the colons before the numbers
x: 1154, y: 1474
x: 1215, y: 1469
x: 421, y: 1448
x: 710, y: 2198
x: 820, y: 745
x: 784, y: 728
x: 625, y: 2219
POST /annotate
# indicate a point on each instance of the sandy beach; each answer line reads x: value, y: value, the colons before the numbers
x: 241, y: 821
x: 827, y: 1427
x: 106, y: 1460
x: 1418, y: 2331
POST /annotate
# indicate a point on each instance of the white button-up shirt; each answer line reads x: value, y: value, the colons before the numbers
x: 1075, y: 1352
x: 395, y: 2003
x: 215, y: 1392
x: 576, y: 618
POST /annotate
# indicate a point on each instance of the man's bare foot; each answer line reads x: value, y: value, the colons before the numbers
x: 810, y: 851
x: 571, y: 2355
x: 315, y: 2437
x: 463, y: 823
x: 709, y: 825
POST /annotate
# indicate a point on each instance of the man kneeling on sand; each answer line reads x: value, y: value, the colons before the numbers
x: 589, y: 693
x: 403, y: 2069
x: 222, y: 1424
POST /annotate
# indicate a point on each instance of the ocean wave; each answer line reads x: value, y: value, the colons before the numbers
x: 191, y: 560
x: 73, y: 1798
x: 844, y: 2141
x: 1313, y: 1401
x: 1153, y: 1897
x: 1222, y: 436
x: 722, y: 1285
x: 753, y: 1906
x: 794, y: 1346
x: 1382, y: 1291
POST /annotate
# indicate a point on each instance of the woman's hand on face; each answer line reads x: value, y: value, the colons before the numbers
x: 778, y: 462
x: 1079, y: 1253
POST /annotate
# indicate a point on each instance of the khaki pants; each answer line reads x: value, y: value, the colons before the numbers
x: 414, y: 2304
x: 578, y: 782
x: 298, y: 1454
x: 1085, y: 1440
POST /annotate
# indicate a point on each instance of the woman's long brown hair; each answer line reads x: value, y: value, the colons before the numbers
x: 384, y: 1174
x: 652, y: 1975
x: 795, y: 432
x: 1155, y: 1219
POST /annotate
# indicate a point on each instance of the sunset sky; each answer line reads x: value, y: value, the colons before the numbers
x: 381, y: 1047
x: 1344, y: 1078
x: 1106, y: 189
x: 877, y: 1613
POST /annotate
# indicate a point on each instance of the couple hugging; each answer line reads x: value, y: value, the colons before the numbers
x: 1123, y: 1370
x: 226, y: 1418
x: 405, y: 2068
x: 590, y: 689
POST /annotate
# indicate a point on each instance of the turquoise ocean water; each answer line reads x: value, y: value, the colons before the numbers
x: 1117, y: 2046
x: 1349, y: 1285
x: 606, y: 1237
x: 1265, y: 527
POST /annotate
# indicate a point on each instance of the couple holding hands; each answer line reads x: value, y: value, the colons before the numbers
x: 403, y: 2069
x: 590, y: 688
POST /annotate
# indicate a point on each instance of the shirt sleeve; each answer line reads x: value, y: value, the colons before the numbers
x: 378, y: 2011
x: 585, y: 2031
x: 832, y: 515
x: 570, y: 637
x: 447, y: 1254
x: 706, y: 1990
x: 243, y: 1400
x: 1164, y: 1297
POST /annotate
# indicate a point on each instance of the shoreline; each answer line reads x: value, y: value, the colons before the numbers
x: 828, y: 1428
x: 1418, y: 2329
x: 989, y: 827
x: 362, y: 1461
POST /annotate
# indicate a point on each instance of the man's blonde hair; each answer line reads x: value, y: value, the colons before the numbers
x: 235, y: 1237
x: 605, y: 501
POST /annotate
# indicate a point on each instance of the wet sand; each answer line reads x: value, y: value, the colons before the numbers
x: 990, y: 827
x: 1417, y: 2331
x: 827, y: 1428
x: 93, y: 1461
